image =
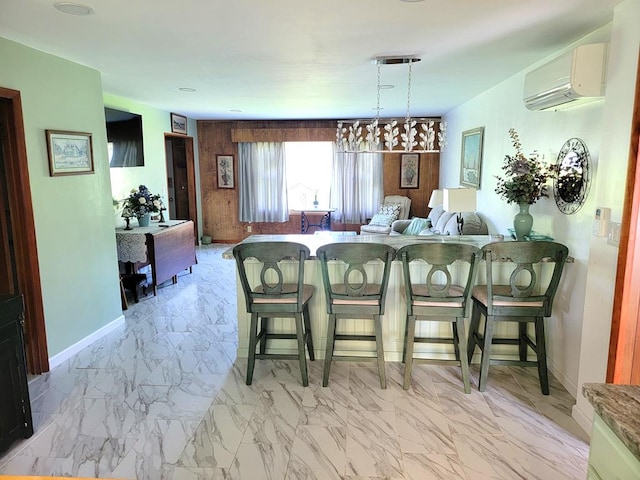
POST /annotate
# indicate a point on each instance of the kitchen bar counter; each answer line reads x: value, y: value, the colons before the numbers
x: 395, y: 312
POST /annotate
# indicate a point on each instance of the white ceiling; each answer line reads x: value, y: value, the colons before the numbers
x: 302, y: 59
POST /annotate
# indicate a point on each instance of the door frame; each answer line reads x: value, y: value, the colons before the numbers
x: 623, y: 366
x: 191, y: 176
x: 24, y: 233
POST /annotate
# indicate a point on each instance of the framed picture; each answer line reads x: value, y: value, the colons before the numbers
x: 70, y: 153
x: 178, y: 124
x: 409, y: 170
x: 471, y: 160
x: 225, y: 171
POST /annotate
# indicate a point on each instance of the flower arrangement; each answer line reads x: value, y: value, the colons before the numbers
x: 140, y: 202
x: 524, y: 179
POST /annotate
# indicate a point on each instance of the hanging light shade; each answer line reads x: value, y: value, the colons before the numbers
x: 424, y: 135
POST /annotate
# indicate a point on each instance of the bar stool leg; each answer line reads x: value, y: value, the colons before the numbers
x: 408, y: 356
x: 307, y: 329
x: 462, y: 356
x: 541, y: 351
x: 380, y: 351
x: 251, y: 360
x: 473, y: 331
x: 522, y: 344
x: 486, y: 353
x: 331, y: 337
x: 302, y: 356
x: 263, y: 332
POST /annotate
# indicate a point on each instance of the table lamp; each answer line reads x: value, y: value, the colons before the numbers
x: 436, y: 198
x: 459, y: 200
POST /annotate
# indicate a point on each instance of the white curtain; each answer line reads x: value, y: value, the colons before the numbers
x: 356, y: 185
x: 262, y: 182
x: 125, y: 154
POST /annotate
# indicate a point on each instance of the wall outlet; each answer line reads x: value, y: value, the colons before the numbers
x: 249, y: 228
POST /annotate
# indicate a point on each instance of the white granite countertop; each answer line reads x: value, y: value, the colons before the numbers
x: 619, y: 407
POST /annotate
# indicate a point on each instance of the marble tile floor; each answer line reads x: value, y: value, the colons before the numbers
x: 164, y: 398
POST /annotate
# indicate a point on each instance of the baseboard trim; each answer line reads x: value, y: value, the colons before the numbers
x: 70, y: 351
x: 582, y: 418
x: 566, y: 382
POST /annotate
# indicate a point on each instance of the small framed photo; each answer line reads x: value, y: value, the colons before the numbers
x: 178, y: 124
x: 225, y: 171
x: 471, y: 160
x: 70, y: 153
x: 409, y: 170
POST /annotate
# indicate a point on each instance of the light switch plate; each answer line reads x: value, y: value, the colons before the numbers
x: 614, y: 234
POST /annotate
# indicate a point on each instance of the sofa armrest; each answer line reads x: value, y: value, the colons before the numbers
x: 399, y: 226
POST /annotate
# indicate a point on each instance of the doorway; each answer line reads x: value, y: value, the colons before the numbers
x: 19, y: 268
x: 181, y: 178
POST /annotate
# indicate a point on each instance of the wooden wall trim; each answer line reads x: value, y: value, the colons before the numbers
x: 26, y: 251
x: 623, y: 365
x: 283, y: 134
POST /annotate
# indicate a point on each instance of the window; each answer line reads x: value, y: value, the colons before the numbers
x: 308, y: 173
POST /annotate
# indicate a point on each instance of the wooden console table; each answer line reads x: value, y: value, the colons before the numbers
x: 168, y: 247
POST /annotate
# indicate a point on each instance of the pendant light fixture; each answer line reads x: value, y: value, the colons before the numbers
x: 425, y: 135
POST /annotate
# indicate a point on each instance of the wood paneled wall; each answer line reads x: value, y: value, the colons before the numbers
x: 220, y: 205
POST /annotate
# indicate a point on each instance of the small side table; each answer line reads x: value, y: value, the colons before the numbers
x: 324, y: 223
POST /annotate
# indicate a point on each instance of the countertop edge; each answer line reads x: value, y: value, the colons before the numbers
x: 619, y: 408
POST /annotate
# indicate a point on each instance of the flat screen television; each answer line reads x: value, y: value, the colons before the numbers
x: 124, y: 138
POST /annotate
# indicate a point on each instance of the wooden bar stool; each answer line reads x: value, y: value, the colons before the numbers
x: 523, y: 300
x: 274, y: 297
x: 350, y: 294
x: 435, y: 297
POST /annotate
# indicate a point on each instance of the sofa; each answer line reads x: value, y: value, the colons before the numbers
x: 440, y: 222
x: 393, y: 207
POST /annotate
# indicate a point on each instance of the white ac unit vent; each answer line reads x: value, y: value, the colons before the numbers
x: 578, y: 75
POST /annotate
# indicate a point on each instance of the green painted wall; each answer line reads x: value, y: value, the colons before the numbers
x: 73, y: 214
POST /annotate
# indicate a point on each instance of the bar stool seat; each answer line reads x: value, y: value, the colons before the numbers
x: 273, y: 297
x: 525, y: 299
x: 355, y: 288
x: 435, y: 297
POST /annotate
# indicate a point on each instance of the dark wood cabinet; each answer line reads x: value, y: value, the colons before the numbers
x: 15, y: 407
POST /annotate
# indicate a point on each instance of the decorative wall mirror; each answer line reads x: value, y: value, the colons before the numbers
x: 571, y: 186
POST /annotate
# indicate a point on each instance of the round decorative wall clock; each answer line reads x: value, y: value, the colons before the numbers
x: 571, y: 185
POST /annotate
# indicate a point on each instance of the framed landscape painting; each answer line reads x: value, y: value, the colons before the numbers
x: 471, y: 160
x: 70, y: 153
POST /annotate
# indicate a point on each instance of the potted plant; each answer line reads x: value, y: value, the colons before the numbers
x: 524, y: 182
x: 141, y: 203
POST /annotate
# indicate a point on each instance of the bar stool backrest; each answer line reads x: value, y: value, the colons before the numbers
x: 355, y: 286
x: 524, y: 286
x: 439, y: 282
x: 273, y: 287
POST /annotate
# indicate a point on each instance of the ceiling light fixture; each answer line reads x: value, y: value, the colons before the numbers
x: 187, y: 89
x: 365, y: 135
x: 73, y: 8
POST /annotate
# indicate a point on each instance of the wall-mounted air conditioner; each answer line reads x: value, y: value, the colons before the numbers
x: 578, y: 75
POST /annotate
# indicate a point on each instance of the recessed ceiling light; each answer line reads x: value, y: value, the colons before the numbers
x: 386, y: 87
x: 235, y: 110
x: 74, y: 8
x: 187, y: 89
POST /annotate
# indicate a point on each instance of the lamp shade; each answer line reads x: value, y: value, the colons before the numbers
x: 436, y: 198
x: 459, y: 199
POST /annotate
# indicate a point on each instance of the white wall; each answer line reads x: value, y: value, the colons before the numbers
x: 609, y: 192
x: 578, y: 332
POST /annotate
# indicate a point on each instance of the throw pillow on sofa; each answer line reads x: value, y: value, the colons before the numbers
x: 382, y: 220
x: 391, y: 209
x: 416, y: 226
